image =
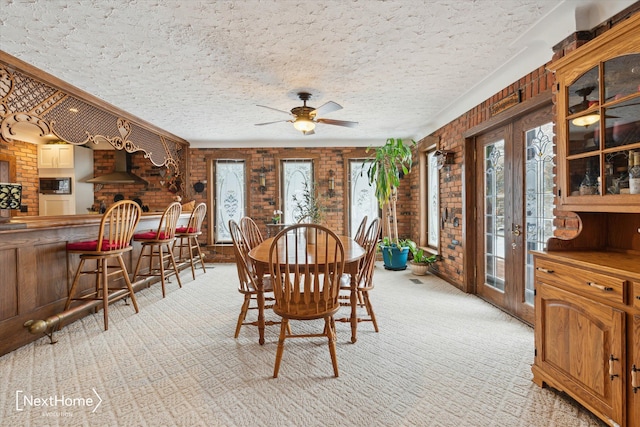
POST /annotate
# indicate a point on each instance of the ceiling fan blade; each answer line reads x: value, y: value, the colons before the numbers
x: 275, y: 109
x: 325, y: 108
x: 338, y: 122
x: 268, y: 123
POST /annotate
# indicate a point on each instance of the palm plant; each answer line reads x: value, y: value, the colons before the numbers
x: 391, y: 159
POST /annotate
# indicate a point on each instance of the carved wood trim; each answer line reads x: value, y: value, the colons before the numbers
x: 32, y: 97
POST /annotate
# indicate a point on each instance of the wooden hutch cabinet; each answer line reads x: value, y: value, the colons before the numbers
x: 587, y: 325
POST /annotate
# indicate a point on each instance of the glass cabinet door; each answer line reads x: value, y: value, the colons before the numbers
x: 603, y: 125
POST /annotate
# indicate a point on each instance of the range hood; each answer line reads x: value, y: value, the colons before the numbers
x: 122, y: 174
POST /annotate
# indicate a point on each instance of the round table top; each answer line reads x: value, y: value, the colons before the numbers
x: 352, y: 251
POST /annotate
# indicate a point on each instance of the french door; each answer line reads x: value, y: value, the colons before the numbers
x: 514, y: 209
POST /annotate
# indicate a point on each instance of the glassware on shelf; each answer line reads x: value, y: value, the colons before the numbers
x: 589, y: 184
x: 634, y: 172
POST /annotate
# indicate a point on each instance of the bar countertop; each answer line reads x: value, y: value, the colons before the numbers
x: 23, y: 223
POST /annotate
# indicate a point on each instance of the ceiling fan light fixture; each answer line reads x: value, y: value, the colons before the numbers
x: 304, y: 125
x: 587, y: 120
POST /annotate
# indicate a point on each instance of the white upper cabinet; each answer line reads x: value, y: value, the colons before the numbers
x: 56, y: 156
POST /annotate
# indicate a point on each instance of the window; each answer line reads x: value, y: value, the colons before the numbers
x: 295, y: 176
x: 433, y: 200
x: 230, y: 196
x: 429, y: 195
x: 362, y: 197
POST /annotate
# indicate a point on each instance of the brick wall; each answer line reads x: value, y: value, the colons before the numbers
x: 451, y: 138
x: 157, y: 195
x: 261, y: 205
x: 25, y: 157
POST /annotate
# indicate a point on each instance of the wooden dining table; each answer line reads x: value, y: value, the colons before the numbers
x: 353, y: 252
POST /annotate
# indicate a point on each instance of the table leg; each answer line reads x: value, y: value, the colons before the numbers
x: 354, y: 307
x: 260, y: 298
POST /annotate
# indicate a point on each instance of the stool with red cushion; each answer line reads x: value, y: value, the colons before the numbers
x: 157, y: 245
x: 114, y: 239
x: 187, y: 239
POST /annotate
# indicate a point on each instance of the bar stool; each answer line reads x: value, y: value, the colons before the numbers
x: 114, y: 239
x: 157, y: 245
x: 187, y: 238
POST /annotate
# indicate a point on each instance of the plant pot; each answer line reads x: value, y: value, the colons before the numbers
x: 394, y: 258
x: 311, y: 236
x: 419, y: 269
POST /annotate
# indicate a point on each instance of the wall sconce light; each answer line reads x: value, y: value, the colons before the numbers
x: 332, y: 183
x: 444, y: 158
x: 263, y: 182
x: 262, y: 179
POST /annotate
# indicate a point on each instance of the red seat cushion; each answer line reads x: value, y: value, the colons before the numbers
x: 186, y: 230
x: 151, y: 235
x: 92, y: 246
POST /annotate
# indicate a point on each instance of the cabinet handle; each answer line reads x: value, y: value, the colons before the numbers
x: 602, y: 288
x: 611, y: 360
x: 635, y: 382
x: 544, y: 270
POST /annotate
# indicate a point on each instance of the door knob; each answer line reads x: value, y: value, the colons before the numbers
x: 515, y: 230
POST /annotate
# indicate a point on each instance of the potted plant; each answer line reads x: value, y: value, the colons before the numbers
x: 421, y: 261
x: 307, y: 208
x: 391, y: 161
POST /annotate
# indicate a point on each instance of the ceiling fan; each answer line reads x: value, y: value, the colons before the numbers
x: 305, y: 118
x: 584, y: 104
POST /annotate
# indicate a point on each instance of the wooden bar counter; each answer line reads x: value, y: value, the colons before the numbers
x: 35, y: 273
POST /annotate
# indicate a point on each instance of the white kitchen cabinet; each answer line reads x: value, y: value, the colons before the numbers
x: 57, y: 204
x: 55, y: 156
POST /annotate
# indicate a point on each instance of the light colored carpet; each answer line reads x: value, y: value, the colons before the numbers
x: 442, y: 358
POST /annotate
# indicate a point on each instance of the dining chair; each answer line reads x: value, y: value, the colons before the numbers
x: 248, y: 281
x: 157, y: 245
x: 364, y: 278
x: 251, y: 232
x: 306, y: 282
x: 114, y: 239
x: 362, y: 228
x: 187, y: 239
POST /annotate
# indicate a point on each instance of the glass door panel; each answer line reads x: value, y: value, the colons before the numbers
x: 539, y: 195
x: 494, y: 198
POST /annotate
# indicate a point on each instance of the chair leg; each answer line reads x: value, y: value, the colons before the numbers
x: 175, y: 266
x: 76, y: 279
x: 105, y: 292
x: 161, y: 261
x: 190, y: 251
x: 243, y: 314
x: 137, y: 270
x: 125, y: 275
x: 367, y: 302
x: 330, y: 327
x: 201, y: 258
x: 280, y: 350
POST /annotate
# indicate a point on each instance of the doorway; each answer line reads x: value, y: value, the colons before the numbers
x: 514, y: 208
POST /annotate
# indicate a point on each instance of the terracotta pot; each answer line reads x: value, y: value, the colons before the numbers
x: 419, y: 269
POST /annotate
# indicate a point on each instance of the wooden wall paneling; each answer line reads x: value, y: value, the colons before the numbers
x: 9, y: 292
x: 26, y: 263
x: 51, y: 262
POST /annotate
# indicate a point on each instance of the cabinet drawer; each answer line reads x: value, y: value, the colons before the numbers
x: 636, y: 295
x: 587, y: 282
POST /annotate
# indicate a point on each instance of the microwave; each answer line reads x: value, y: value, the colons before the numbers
x: 55, y: 185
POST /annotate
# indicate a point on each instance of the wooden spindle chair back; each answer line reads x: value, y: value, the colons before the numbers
x: 306, y: 281
x: 251, y: 232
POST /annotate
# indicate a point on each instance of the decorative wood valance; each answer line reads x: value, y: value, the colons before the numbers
x: 58, y: 114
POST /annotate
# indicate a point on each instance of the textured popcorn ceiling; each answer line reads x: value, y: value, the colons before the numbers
x: 401, y: 68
